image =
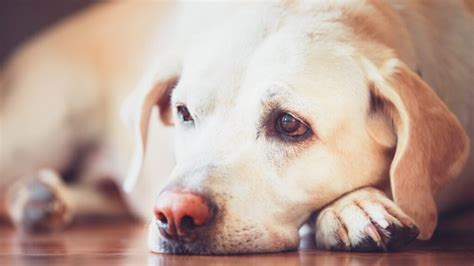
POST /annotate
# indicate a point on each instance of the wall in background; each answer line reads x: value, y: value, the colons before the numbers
x: 20, y: 19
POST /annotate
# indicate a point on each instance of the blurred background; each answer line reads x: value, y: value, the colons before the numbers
x: 21, y: 19
x: 71, y: 54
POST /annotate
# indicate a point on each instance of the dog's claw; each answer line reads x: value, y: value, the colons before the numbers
x: 344, y: 237
x: 374, y: 234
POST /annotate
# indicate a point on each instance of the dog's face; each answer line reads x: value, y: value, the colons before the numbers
x: 270, y: 128
x: 271, y: 124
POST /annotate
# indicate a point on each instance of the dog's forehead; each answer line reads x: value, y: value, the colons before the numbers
x: 248, y: 56
x: 216, y: 62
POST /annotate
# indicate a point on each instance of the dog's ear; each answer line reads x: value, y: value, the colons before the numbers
x: 431, y: 145
x: 152, y: 92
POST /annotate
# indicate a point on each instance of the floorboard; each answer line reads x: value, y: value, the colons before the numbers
x: 124, y: 243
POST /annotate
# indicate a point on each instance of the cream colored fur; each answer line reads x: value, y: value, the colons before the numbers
x: 348, y: 68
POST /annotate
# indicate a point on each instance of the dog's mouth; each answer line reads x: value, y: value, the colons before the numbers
x: 252, y: 241
x: 204, y: 246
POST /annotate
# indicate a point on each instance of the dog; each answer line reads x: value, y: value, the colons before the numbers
x: 355, y: 112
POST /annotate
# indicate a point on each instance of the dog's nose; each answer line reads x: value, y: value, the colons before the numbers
x: 180, y: 214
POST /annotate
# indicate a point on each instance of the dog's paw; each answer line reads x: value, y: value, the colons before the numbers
x: 36, y: 204
x: 364, y: 220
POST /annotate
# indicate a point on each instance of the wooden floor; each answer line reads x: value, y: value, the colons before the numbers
x: 124, y: 244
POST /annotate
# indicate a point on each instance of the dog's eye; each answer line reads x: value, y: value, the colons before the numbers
x: 184, y: 113
x: 291, y: 127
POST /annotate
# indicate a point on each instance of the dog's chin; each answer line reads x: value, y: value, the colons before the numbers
x: 205, y: 246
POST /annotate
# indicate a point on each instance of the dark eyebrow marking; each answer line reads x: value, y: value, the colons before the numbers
x: 259, y: 133
x: 271, y: 94
x: 267, y: 116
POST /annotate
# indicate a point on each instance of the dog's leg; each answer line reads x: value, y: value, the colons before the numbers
x: 364, y: 220
x: 46, y: 203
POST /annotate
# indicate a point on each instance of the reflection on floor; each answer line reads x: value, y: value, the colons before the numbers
x: 124, y: 243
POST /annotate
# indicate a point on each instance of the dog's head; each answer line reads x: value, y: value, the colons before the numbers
x: 275, y: 116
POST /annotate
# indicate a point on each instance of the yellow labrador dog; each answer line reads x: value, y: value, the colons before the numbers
x: 356, y: 111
